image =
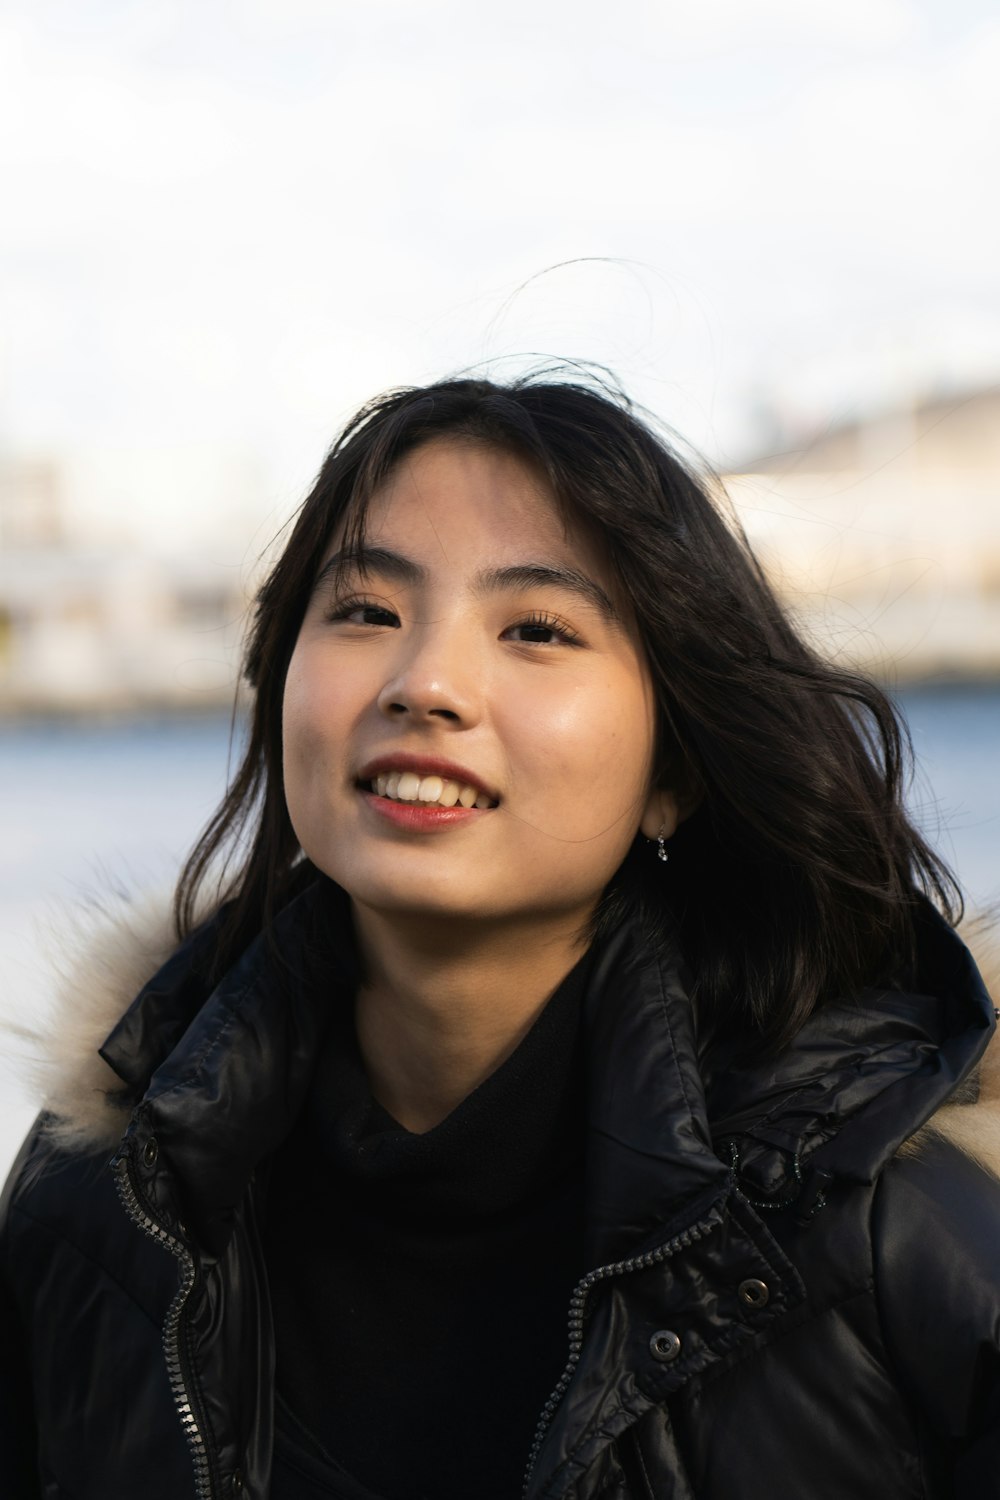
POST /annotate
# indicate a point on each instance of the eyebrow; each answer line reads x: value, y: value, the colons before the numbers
x: 544, y: 575
x: 519, y: 576
x: 365, y: 560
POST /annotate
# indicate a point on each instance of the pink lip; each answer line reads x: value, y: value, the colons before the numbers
x: 425, y: 765
x: 422, y: 817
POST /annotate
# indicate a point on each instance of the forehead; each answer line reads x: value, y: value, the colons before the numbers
x: 453, y: 497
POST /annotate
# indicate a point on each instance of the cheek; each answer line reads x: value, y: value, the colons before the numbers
x: 310, y: 735
x: 297, y: 728
x: 294, y: 756
x: 589, y: 746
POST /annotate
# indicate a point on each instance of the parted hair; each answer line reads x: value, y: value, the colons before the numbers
x: 799, y: 876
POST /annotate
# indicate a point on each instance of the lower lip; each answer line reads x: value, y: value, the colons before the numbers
x: 420, y: 816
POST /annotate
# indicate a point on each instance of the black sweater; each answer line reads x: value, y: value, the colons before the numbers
x: 420, y: 1283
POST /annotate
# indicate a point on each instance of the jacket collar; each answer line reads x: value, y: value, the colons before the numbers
x: 861, y: 1076
x: 230, y: 1089
x: 237, y: 1068
x: 221, y: 1079
x: 649, y: 1147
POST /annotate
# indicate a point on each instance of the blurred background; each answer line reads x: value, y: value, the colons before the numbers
x: 222, y: 226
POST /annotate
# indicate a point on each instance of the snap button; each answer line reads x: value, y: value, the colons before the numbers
x: 665, y: 1346
x: 754, y: 1293
x: 150, y: 1152
x: 238, y: 1483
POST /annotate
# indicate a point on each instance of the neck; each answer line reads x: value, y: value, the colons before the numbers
x: 439, y: 1012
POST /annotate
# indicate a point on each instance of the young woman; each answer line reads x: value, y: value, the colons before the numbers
x: 572, y: 958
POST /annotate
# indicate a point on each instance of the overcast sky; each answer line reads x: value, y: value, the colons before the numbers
x: 223, y: 225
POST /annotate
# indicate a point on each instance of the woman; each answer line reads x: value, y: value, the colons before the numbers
x: 575, y: 952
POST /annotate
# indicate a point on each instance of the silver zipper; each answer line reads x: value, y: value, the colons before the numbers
x: 171, y: 1326
x: 577, y: 1313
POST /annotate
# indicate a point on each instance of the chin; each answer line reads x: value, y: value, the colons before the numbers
x: 429, y: 899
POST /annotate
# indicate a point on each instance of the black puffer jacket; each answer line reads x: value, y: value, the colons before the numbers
x: 781, y: 1305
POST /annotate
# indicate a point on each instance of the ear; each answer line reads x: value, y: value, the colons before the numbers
x: 661, y: 814
x: 664, y: 809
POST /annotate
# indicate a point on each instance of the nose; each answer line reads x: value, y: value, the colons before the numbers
x: 435, y: 677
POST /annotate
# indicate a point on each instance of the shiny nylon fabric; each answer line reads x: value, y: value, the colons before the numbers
x: 692, y: 1291
x: 861, y: 1075
x: 231, y: 1088
x: 649, y: 1147
x: 810, y: 1394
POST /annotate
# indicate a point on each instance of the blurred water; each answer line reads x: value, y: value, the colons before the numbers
x: 85, y: 808
x: 955, y: 796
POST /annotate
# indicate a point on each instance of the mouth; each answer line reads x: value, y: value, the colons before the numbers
x: 429, y: 791
x: 425, y: 783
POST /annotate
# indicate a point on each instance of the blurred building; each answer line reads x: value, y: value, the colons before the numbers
x: 88, y: 628
x: 883, y: 536
x: 31, y: 504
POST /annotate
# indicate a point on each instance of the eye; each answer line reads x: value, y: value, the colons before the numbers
x: 538, y: 629
x: 363, y: 612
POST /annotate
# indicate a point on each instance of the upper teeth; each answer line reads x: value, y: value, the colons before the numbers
x: 407, y: 786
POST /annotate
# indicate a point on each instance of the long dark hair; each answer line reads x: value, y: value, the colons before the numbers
x: 799, y: 876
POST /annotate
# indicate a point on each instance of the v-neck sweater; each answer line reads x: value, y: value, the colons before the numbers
x: 420, y: 1283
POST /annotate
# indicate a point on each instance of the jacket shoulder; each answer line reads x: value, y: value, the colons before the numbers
x: 85, y: 1403
x: 65, y: 1233
x: 936, y: 1256
x: 52, y: 1193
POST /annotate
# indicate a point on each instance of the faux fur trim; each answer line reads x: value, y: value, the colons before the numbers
x: 111, y: 952
x: 115, y: 951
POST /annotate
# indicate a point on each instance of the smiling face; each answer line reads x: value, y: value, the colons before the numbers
x: 468, y: 720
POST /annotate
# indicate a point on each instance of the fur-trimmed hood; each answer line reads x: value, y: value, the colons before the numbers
x: 117, y: 950
x: 109, y: 954
x: 685, y: 1156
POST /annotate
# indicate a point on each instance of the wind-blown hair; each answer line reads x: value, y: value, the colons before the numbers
x: 799, y: 876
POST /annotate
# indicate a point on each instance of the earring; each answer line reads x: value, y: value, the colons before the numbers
x: 661, y: 847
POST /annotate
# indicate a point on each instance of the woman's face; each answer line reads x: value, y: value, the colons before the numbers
x: 482, y: 653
